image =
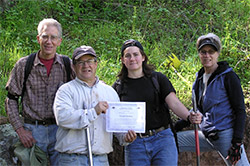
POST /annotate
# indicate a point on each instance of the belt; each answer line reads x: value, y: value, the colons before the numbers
x: 40, y: 122
x: 79, y: 154
x: 149, y: 133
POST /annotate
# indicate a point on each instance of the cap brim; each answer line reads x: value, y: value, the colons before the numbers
x: 86, y: 53
x: 210, y: 43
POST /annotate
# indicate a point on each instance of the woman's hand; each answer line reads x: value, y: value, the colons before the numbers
x: 195, y: 118
x: 130, y: 136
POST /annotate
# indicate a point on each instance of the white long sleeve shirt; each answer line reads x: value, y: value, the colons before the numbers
x: 74, y: 111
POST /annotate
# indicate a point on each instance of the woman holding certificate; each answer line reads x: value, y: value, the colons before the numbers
x: 138, y: 82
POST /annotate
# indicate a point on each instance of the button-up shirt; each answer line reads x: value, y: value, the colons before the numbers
x: 74, y: 111
x: 40, y: 91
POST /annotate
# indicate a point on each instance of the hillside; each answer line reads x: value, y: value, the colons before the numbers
x: 163, y: 27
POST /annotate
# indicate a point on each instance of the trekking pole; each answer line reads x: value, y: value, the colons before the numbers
x: 224, y: 159
x: 89, y: 147
x: 197, y: 145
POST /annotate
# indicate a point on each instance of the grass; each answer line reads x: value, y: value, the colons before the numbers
x: 163, y: 28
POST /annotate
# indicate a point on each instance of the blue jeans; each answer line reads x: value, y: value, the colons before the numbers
x: 45, y: 137
x: 186, y: 141
x: 66, y: 159
x: 159, y: 149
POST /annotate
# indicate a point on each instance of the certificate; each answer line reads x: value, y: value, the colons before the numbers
x: 124, y: 116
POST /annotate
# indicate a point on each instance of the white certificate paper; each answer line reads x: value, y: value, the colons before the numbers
x: 124, y: 116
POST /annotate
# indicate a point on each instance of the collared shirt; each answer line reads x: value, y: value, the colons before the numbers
x: 40, y: 90
x: 74, y: 111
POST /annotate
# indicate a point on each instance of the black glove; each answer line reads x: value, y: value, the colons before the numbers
x: 180, y: 124
x: 234, y: 153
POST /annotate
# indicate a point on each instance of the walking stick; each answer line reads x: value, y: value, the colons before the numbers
x: 89, y: 147
x: 197, y: 145
x: 224, y: 159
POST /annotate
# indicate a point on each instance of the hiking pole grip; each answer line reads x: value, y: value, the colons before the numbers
x: 89, y: 147
x: 197, y: 144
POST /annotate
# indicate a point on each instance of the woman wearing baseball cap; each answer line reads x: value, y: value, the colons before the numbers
x: 220, y: 99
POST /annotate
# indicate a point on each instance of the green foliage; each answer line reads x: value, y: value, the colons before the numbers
x: 3, y: 94
x: 163, y: 27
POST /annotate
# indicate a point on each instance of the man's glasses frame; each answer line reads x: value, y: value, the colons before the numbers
x: 53, y: 38
x: 89, y: 62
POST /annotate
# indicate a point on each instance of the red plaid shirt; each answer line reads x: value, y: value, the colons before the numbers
x: 40, y: 91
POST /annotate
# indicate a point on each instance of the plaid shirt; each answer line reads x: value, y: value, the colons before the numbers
x: 40, y: 91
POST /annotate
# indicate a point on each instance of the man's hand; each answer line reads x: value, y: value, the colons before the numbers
x: 101, y: 107
x: 234, y: 153
x: 25, y: 137
x: 130, y: 136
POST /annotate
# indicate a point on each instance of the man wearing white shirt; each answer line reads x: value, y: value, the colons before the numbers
x: 82, y: 103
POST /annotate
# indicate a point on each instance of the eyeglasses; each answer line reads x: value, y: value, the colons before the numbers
x: 89, y: 62
x: 210, y: 52
x: 53, y: 38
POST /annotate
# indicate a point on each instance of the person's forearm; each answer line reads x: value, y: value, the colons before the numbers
x: 181, y: 111
x: 11, y: 107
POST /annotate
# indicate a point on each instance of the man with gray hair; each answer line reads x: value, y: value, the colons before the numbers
x: 220, y: 99
x: 38, y: 89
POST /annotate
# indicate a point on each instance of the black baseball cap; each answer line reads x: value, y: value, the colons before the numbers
x: 129, y: 43
x: 209, y: 41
